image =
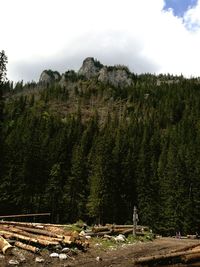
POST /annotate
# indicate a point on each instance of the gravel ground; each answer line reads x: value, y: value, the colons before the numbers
x: 122, y: 256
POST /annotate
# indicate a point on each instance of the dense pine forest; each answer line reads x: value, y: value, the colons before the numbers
x: 90, y: 150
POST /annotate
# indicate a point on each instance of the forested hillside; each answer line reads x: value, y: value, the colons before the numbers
x: 90, y: 150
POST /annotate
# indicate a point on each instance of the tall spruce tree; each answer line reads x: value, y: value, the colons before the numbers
x: 3, y: 70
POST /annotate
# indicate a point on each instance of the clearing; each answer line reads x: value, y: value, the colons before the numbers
x: 100, y: 255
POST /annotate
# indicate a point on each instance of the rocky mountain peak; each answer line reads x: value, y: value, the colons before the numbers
x: 118, y: 76
x: 114, y: 75
x: 90, y: 68
x: 49, y: 76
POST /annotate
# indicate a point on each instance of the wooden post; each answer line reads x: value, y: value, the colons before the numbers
x: 135, y: 220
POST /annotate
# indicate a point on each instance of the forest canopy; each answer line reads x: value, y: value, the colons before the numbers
x: 92, y: 151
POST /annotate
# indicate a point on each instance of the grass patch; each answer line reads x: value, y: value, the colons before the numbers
x: 105, y: 244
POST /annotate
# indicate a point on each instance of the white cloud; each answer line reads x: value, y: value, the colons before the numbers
x: 192, y: 18
x: 40, y: 34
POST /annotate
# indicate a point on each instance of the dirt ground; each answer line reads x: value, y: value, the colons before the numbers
x: 123, y: 256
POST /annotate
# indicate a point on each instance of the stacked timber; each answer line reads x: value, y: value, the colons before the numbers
x: 33, y: 237
x: 113, y: 229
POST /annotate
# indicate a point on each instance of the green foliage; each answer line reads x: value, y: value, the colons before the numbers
x: 98, y: 64
x: 53, y: 74
x: 72, y: 76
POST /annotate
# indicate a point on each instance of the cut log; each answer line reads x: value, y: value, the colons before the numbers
x: 119, y: 226
x: 40, y: 231
x: 192, y: 236
x: 27, y: 247
x: 157, y: 258
x: 37, y: 240
x: 33, y: 225
x: 191, y: 257
x: 68, y: 240
x: 187, y: 248
x: 5, y: 247
x: 31, y: 235
x: 101, y: 229
x: 139, y: 227
x: 103, y: 233
x: 128, y: 231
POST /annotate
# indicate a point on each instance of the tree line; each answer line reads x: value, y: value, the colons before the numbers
x: 145, y: 152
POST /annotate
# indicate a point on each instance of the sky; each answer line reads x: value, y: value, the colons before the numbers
x: 179, y: 7
x: 157, y: 36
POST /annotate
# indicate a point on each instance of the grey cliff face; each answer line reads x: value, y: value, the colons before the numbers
x: 117, y: 77
x: 63, y: 81
x: 89, y: 69
x: 45, y: 78
x: 49, y: 76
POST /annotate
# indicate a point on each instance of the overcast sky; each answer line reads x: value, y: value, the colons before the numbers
x: 146, y: 35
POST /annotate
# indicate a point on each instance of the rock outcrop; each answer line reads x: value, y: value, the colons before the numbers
x: 49, y: 76
x: 68, y: 76
x: 116, y: 76
x: 90, y: 68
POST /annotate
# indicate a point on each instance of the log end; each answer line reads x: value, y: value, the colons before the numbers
x: 8, y: 249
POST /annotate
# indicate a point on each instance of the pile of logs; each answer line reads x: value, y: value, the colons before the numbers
x: 113, y: 229
x: 189, y: 254
x: 34, y: 236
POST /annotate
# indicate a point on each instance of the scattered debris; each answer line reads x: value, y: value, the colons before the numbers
x: 54, y: 255
x: 39, y: 259
x: 13, y: 262
x: 98, y: 258
x: 62, y: 256
x: 2, y: 256
x: 120, y: 238
x: 65, y: 250
x: 21, y: 258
